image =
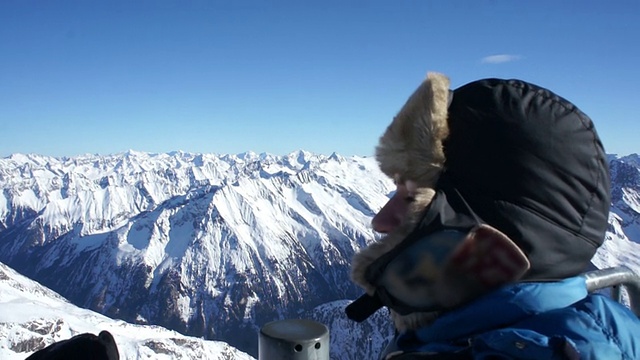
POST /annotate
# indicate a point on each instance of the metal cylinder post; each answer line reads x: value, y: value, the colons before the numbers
x: 616, y: 277
x: 293, y: 339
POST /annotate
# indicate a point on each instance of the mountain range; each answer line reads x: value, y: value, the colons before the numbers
x: 215, y: 246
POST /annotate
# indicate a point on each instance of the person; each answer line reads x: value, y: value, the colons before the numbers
x: 502, y: 199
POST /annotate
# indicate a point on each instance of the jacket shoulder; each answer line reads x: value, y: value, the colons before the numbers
x: 599, y: 328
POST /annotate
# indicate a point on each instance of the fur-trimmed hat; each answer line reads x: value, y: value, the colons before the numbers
x: 524, y: 160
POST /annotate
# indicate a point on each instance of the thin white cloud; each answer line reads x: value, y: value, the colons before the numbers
x: 500, y: 58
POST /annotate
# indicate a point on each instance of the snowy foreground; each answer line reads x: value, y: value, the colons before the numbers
x: 33, y: 316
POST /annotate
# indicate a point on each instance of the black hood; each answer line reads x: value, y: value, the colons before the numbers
x: 531, y: 164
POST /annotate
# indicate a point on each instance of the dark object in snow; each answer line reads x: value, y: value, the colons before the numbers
x: 80, y: 347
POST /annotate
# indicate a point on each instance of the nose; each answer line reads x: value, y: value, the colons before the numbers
x: 390, y: 216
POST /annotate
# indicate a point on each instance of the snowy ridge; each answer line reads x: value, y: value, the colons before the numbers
x: 33, y: 317
x: 622, y: 242
x: 208, y: 245
x: 217, y: 245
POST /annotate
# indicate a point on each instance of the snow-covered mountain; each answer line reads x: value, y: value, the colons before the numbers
x: 211, y: 246
x: 622, y: 245
x: 33, y: 317
x: 216, y: 246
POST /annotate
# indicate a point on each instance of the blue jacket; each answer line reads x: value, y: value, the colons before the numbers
x: 554, y: 320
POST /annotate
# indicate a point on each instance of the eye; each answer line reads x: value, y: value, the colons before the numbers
x: 409, y: 198
x: 397, y: 180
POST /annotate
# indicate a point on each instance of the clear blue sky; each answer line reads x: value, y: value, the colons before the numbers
x: 103, y: 77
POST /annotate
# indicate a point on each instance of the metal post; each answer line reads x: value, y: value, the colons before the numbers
x: 622, y: 275
x: 294, y: 339
x: 616, y: 293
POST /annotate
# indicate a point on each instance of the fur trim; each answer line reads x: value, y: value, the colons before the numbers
x: 410, y: 149
x: 412, y: 145
x: 414, y: 320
